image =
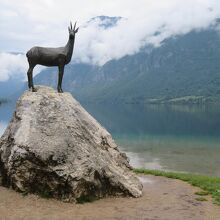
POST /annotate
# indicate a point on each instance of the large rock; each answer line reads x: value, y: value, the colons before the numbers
x: 53, y: 147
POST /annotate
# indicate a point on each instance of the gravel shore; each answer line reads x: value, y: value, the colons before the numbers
x: 163, y: 198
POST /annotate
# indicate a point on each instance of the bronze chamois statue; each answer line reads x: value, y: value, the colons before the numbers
x: 51, y: 57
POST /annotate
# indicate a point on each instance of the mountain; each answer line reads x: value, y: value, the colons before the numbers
x: 104, y: 21
x: 185, y: 68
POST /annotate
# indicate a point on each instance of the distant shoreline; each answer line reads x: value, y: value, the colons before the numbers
x: 3, y: 101
x: 183, y: 100
x: 198, y: 100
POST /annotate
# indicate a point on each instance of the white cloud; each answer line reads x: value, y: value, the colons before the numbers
x: 26, y: 23
x: 14, y: 65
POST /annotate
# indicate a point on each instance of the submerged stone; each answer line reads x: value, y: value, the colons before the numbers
x: 55, y: 148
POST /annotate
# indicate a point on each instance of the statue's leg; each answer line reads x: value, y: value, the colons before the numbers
x: 60, y: 78
x: 32, y: 84
x: 30, y: 77
x: 30, y: 69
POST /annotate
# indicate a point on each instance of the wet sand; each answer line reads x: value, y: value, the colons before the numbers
x: 163, y: 198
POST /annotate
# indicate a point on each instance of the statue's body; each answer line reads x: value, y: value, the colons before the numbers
x: 51, y: 57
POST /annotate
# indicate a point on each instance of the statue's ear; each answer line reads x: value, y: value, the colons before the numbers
x: 76, y: 30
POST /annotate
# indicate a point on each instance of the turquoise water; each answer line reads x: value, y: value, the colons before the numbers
x: 165, y: 137
x: 174, y: 153
x: 177, y: 138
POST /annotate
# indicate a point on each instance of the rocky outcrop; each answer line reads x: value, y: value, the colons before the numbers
x: 53, y: 147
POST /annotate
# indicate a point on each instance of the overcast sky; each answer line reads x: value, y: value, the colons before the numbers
x: 25, y: 23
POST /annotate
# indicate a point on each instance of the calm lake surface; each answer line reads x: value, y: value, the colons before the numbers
x: 177, y: 138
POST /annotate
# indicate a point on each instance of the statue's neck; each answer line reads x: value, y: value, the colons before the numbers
x: 69, y: 48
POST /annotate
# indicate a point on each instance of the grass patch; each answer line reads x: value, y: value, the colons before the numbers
x: 201, y: 199
x: 211, y: 185
x: 202, y: 193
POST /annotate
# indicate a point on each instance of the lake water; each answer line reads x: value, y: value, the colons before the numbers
x: 177, y: 138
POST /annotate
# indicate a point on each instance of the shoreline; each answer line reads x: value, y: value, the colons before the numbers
x: 210, y: 185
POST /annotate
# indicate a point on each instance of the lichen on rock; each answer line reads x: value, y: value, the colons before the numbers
x: 54, y: 147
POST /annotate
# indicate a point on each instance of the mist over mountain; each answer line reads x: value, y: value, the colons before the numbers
x: 185, y: 65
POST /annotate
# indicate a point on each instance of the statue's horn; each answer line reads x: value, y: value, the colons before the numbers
x: 74, y: 26
x: 71, y: 27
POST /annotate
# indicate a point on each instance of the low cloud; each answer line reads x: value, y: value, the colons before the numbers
x: 14, y: 65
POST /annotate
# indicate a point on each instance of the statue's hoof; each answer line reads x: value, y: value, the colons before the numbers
x: 34, y: 90
x: 59, y: 90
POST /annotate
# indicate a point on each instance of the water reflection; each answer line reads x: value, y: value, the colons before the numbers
x: 158, y: 119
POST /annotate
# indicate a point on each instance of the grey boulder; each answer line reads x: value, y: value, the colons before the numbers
x: 53, y: 147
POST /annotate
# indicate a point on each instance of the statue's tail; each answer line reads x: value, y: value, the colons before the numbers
x: 33, y: 51
x: 28, y: 54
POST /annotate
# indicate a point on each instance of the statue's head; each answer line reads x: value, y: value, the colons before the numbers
x: 72, y: 30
